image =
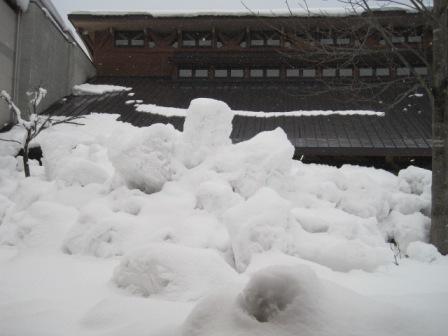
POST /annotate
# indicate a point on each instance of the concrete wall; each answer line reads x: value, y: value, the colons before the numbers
x: 8, y: 20
x: 46, y: 58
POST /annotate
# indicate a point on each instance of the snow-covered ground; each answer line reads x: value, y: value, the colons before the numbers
x: 150, y: 231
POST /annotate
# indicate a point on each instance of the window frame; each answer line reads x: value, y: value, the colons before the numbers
x: 129, y: 34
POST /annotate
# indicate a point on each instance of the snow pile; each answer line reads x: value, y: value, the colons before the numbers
x: 291, y: 300
x: 172, y: 272
x: 97, y: 89
x: 129, y: 230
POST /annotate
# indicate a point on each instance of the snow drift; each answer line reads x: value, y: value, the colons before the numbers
x: 129, y: 231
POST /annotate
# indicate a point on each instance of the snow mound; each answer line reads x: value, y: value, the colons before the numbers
x: 264, y: 160
x: 405, y: 229
x: 101, y: 239
x: 74, y: 158
x: 260, y: 224
x: 216, y: 197
x: 97, y: 89
x: 43, y: 226
x: 330, y: 237
x: 290, y: 301
x: 207, y: 127
x: 146, y: 160
x: 173, y: 272
x: 423, y: 252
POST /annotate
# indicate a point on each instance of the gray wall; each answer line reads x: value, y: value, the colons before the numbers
x: 47, y: 58
x: 8, y: 20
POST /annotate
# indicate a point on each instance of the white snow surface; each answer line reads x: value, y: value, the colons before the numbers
x: 281, y: 12
x: 97, y: 89
x: 152, y: 231
x: 180, y: 112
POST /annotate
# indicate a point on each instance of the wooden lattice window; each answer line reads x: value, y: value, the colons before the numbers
x: 197, y: 39
x: 129, y: 39
x: 263, y: 39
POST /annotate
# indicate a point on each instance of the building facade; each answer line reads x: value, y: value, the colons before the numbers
x: 273, y: 62
x: 244, y: 46
x: 37, y: 50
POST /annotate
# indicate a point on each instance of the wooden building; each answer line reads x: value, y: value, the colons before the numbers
x: 243, y: 45
x: 271, y: 61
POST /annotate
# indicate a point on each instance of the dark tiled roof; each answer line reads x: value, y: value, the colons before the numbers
x: 404, y: 131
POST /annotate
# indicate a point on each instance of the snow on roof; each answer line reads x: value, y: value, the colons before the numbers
x: 95, y: 89
x: 285, y: 12
x: 201, y: 12
x: 180, y: 112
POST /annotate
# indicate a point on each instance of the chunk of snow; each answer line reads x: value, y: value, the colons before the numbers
x: 418, y: 179
x: 264, y: 160
x: 423, y: 252
x: 260, y: 224
x: 97, y: 89
x: 207, y: 127
x: 216, y: 197
x: 405, y: 229
x: 146, y: 160
x: 69, y: 160
x: 173, y: 272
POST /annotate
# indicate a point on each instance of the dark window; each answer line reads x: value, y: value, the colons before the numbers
x: 327, y: 41
x: 403, y: 71
x: 201, y: 73
x: 196, y: 39
x: 329, y: 72
x: 272, y: 72
x: 365, y: 72
x: 188, y: 40
x: 256, y: 73
x: 262, y: 39
x: 382, y: 72
x: 237, y: 73
x: 343, y: 40
x: 129, y: 39
x: 414, y: 39
x: 309, y: 73
x: 185, y: 73
x: 421, y: 71
x: 292, y: 72
x: 346, y: 72
x: 151, y: 44
x: 221, y: 73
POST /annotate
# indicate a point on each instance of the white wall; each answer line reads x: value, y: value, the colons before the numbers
x: 46, y: 58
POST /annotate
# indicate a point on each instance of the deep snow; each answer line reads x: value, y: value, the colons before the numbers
x: 150, y: 231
